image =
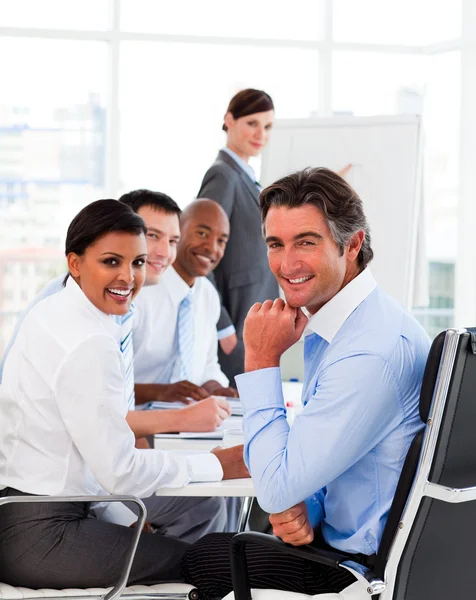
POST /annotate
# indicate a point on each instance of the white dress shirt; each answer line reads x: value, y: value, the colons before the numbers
x: 328, y: 320
x: 112, y: 512
x: 155, y: 331
x: 63, y: 410
x: 248, y: 169
x: 125, y: 321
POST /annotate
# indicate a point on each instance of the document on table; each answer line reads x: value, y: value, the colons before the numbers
x: 235, y: 404
x: 193, y: 435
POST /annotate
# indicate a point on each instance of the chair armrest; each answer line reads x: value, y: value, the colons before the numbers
x: 239, y: 569
x: 121, y: 584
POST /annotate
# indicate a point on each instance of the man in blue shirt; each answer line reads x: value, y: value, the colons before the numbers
x: 334, y: 474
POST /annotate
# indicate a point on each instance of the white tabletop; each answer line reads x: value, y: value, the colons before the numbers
x: 228, y: 488
x: 198, y: 445
x: 292, y: 392
x: 185, y: 446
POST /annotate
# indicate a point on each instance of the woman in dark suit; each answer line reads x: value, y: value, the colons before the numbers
x: 243, y: 277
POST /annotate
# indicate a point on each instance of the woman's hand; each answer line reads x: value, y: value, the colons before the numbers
x: 206, y: 415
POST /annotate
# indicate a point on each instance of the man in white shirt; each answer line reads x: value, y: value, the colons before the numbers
x: 175, y: 324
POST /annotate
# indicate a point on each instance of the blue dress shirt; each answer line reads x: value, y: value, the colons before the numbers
x: 364, y: 359
x: 243, y: 165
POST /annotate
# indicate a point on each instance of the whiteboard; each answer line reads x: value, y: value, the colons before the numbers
x: 385, y: 154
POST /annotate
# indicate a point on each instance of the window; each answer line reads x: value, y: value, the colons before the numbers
x: 171, y: 121
x: 392, y: 22
x: 49, y: 168
x: 246, y: 19
x: 173, y: 90
x: 377, y: 83
x: 53, y: 14
x: 439, y: 315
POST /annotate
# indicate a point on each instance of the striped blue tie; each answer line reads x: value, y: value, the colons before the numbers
x: 128, y: 354
x: 185, y: 337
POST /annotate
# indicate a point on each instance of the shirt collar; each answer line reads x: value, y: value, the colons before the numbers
x: 178, y: 289
x: 241, y: 163
x: 327, y: 321
x: 78, y: 298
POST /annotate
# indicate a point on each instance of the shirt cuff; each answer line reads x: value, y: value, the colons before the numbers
x: 261, y: 389
x: 204, y: 467
x: 223, y: 333
x: 114, y: 512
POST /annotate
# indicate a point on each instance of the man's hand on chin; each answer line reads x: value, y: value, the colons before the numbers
x: 293, y: 526
x: 270, y: 329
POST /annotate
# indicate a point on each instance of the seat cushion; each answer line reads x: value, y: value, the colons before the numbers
x: 8, y: 592
x: 353, y: 592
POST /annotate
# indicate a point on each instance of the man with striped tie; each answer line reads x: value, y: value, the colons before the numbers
x: 175, y: 337
x: 185, y: 518
x: 175, y: 325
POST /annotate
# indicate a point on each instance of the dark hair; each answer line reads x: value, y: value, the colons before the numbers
x: 248, y: 102
x: 138, y: 198
x: 97, y: 219
x: 337, y: 201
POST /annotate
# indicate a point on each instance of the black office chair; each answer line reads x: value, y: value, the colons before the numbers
x: 426, y: 552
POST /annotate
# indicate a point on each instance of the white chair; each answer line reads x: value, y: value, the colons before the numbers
x: 163, y: 591
x: 427, y: 548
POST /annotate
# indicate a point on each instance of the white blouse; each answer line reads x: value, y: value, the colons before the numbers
x: 63, y: 410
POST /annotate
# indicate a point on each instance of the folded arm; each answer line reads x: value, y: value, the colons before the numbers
x: 342, y: 421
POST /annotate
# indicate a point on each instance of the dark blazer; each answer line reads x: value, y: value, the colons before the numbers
x: 243, y: 276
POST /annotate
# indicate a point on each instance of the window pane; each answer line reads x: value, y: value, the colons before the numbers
x: 366, y: 83
x: 386, y: 84
x: 440, y: 313
x: 263, y: 19
x: 441, y: 168
x: 440, y: 179
x: 391, y: 22
x: 57, y: 14
x: 173, y: 99
x: 52, y: 135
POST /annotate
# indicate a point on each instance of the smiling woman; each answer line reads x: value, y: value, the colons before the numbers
x: 243, y: 276
x: 64, y: 430
x: 106, y: 253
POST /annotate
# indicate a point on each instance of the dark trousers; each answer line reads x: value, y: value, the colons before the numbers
x: 206, y: 564
x: 58, y: 546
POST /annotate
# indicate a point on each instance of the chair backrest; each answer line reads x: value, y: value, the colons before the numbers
x: 413, y: 456
x: 427, y: 547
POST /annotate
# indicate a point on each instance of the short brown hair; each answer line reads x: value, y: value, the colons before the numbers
x: 247, y: 102
x: 338, y: 202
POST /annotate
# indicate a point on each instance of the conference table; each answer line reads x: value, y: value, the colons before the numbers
x: 230, y: 488
x: 237, y: 488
